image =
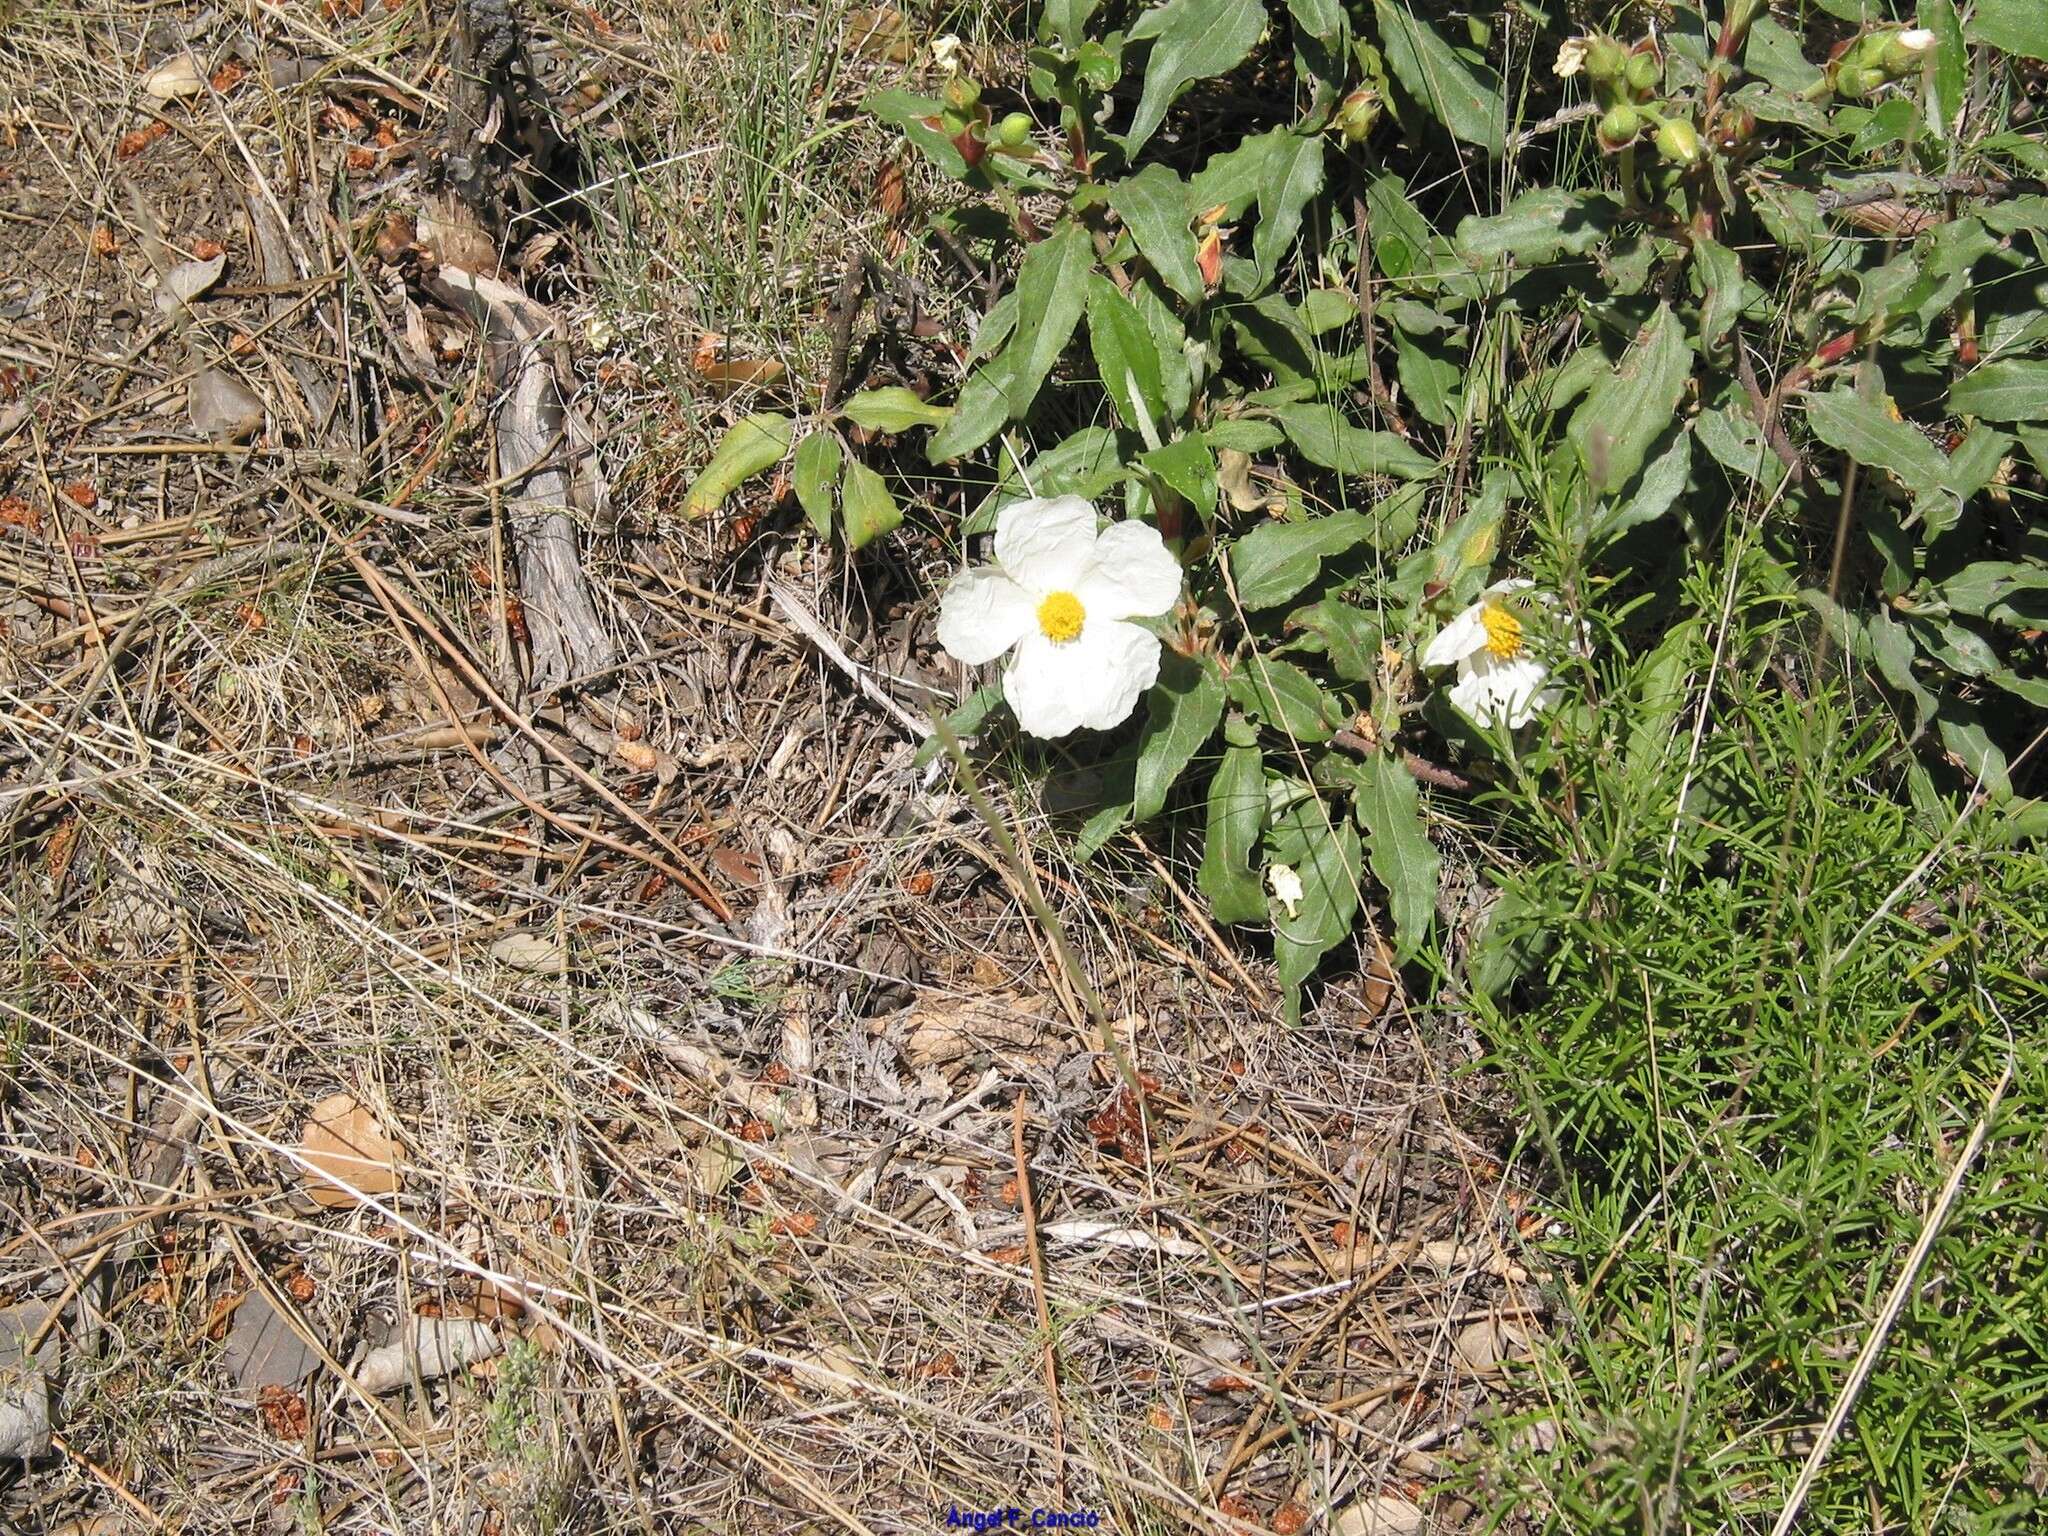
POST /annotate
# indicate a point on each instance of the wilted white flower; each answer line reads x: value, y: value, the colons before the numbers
x: 1285, y: 884
x: 949, y: 53
x: 1058, y: 597
x: 1571, y: 58
x: 1501, y: 680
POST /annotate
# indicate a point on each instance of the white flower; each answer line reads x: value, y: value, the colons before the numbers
x: 1916, y: 40
x: 1060, y: 593
x: 1571, y: 58
x: 948, y: 53
x: 1285, y: 884
x: 1500, y: 679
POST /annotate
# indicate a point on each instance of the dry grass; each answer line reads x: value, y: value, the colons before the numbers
x: 753, y: 1171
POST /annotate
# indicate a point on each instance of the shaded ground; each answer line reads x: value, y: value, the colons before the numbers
x: 701, y: 1026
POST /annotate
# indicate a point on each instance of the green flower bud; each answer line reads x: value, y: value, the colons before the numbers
x: 1621, y: 127
x: 1014, y: 131
x: 1678, y: 142
x: 1357, y: 115
x: 1645, y: 74
x: 1606, y: 59
x: 1904, y: 51
x: 1853, y: 81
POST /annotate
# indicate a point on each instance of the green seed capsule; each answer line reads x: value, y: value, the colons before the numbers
x: 1645, y: 73
x: 1853, y: 82
x: 1678, y: 142
x: 1014, y: 131
x: 1621, y: 127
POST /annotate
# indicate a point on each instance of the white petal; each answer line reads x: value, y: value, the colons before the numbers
x: 1044, y: 544
x: 1094, y: 680
x: 983, y: 614
x: 1511, y: 584
x: 1133, y: 575
x: 1510, y: 693
x: 1457, y: 639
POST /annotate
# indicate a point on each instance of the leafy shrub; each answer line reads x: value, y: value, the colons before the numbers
x: 1268, y: 296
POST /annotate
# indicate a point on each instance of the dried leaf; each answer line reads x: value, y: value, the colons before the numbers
x: 262, y: 1349
x: 222, y: 407
x: 1382, y: 982
x: 24, y: 1388
x: 443, y: 1345
x: 188, y: 280
x: 1379, y: 1514
x: 1485, y: 1343
x: 945, y: 1029
x: 879, y: 32
x: 734, y: 374
x: 533, y: 952
x: 345, y: 1142
x: 179, y: 75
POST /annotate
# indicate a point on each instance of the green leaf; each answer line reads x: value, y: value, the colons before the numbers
x: 1098, y: 829
x: 1066, y: 21
x: 2011, y: 25
x: 1232, y: 179
x: 1720, y: 273
x: 1276, y: 560
x: 1978, y: 589
x: 1774, y: 54
x: 1536, y: 227
x: 1329, y: 868
x: 1154, y: 207
x: 1891, y: 647
x: 1125, y: 358
x: 1320, y: 19
x: 1284, y: 697
x: 1664, y: 479
x: 2016, y: 390
x: 1196, y: 39
x: 1460, y: 557
x: 1404, y: 861
x: 866, y: 506
x: 1296, y: 176
x: 1243, y: 434
x: 813, y: 476
x: 1963, y: 734
x: 1431, y: 381
x: 978, y: 414
x: 1326, y: 438
x: 1400, y: 233
x: 1349, y: 636
x: 1624, y: 413
x: 1169, y: 341
x: 1947, y: 80
x: 1085, y: 465
x: 1866, y: 431
x: 1237, y: 814
x: 1052, y: 286
x: 749, y: 446
x: 1189, y: 468
x: 1436, y: 77
x: 1182, y: 713
x: 894, y: 409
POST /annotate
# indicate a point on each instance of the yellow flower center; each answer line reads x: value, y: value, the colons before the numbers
x: 1503, y: 631
x: 1060, y: 616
